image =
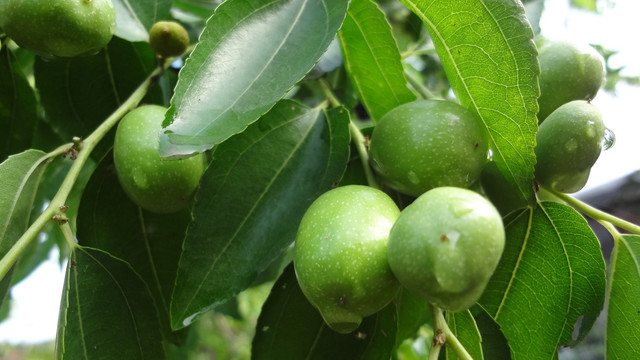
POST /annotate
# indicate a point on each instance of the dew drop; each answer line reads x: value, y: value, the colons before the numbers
x: 609, y: 139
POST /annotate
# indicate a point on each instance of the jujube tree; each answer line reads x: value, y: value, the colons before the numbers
x: 348, y: 155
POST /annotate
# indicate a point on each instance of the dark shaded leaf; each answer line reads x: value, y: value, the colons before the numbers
x: 18, y: 107
x: 106, y: 311
x: 151, y: 243
x: 251, y: 200
x: 289, y: 327
x: 463, y: 325
x: 80, y: 93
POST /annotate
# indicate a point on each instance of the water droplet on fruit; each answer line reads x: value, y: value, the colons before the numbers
x: 571, y: 145
x: 609, y: 139
x: 413, y: 177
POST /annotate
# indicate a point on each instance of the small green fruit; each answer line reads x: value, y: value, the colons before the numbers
x: 157, y: 184
x: 60, y: 28
x: 168, y: 38
x: 569, y: 142
x: 341, y: 254
x: 567, y: 72
x: 445, y: 246
x: 426, y: 144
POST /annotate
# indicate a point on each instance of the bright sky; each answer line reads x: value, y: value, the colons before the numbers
x: 36, y: 300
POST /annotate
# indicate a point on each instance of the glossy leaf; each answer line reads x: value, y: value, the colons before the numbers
x: 551, y: 273
x: 20, y: 176
x: 79, y: 94
x: 623, y: 315
x: 488, y: 53
x: 151, y: 243
x: 251, y: 199
x: 494, y: 344
x: 289, y: 327
x: 249, y: 55
x: 106, y: 311
x: 372, y: 59
x: 463, y: 325
x: 18, y: 109
x: 135, y: 17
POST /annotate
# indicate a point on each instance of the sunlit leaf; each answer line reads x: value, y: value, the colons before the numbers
x: 623, y: 315
x: 463, y: 325
x: 372, y: 59
x: 551, y: 273
x: 20, y: 176
x: 106, y: 311
x: 135, y: 17
x: 488, y: 53
x: 249, y: 55
x: 289, y: 327
x: 251, y: 200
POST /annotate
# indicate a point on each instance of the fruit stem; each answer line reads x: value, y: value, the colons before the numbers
x: 595, y: 213
x: 358, y: 139
x: 422, y: 90
x: 441, y: 328
x: 70, y: 179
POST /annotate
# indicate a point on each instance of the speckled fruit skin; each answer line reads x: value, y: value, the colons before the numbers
x: 157, y: 184
x: 568, y: 71
x: 168, y: 38
x: 341, y: 254
x: 60, y: 28
x: 426, y: 144
x: 446, y: 245
x: 569, y: 142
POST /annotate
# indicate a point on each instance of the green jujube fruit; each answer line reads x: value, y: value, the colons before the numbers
x: 445, y: 246
x: 156, y: 184
x: 340, y: 254
x: 569, y: 142
x: 568, y: 72
x: 425, y: 144
x: 168, y: 38
x: 60, y: 28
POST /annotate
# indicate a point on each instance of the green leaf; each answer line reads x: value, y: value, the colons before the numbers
x: 106, y: 311
x: 372, y: 59
x: 463, y: 325
x: 18, y: 110
x: 623, y: 315
x: 80, y: 93
x: 551, y: 273
x: 494, y: 344
x: 488, y: 53
x: 251, y: 200
x: 412, y: 312
x: 151, y: 243
x: 249, y: 55
x: 289, y: 327
x: 134, y: 18
x: 20, y: 176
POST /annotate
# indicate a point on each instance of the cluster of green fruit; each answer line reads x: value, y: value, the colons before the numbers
x: 571, y: 133
x: 70, y: 28
x: 355, y: 248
